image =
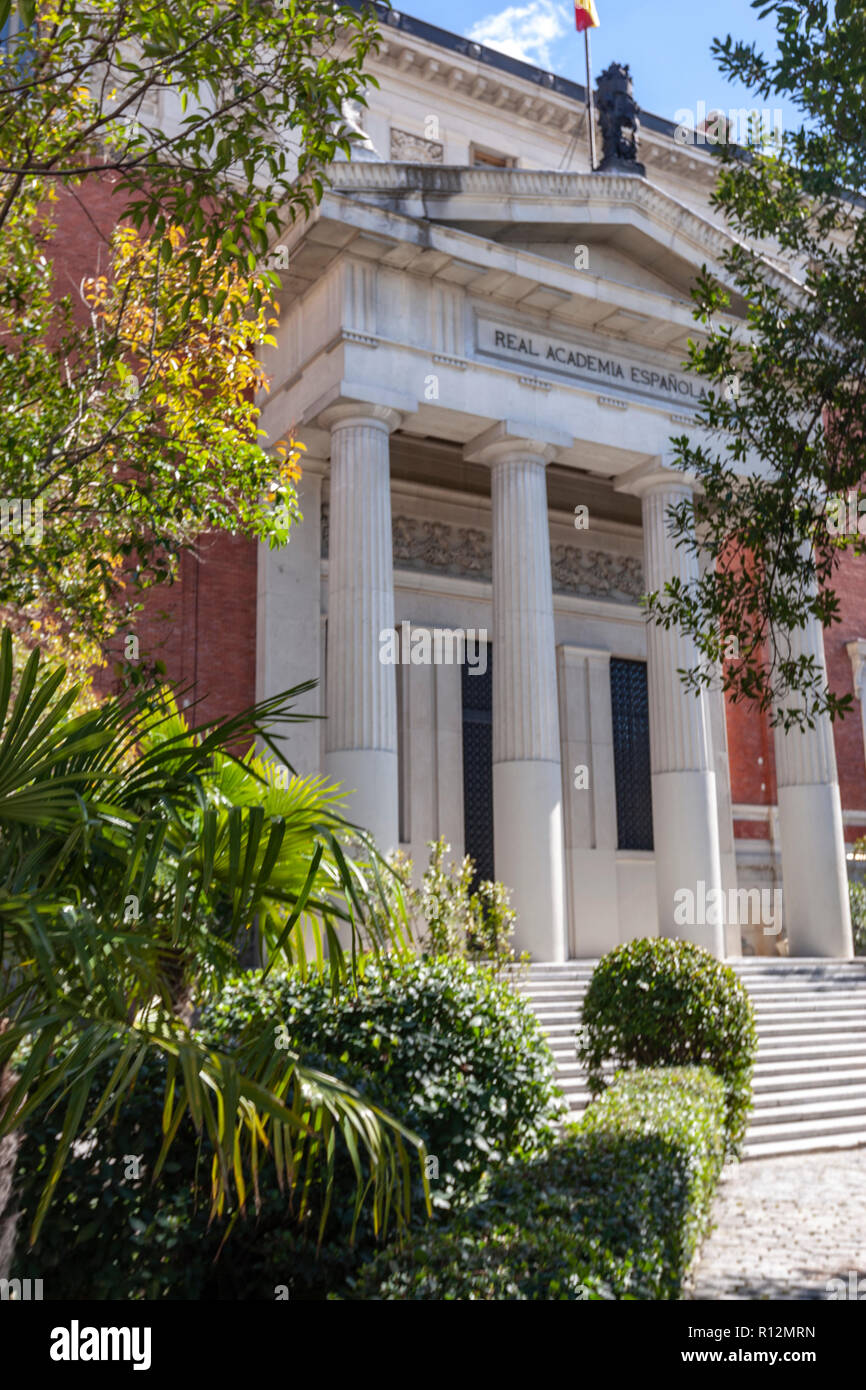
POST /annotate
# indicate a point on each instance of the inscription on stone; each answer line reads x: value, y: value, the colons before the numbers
x: 574, y: 359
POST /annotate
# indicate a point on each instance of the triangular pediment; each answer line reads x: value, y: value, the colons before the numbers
x: 641, y: 236
x: 617, y: 254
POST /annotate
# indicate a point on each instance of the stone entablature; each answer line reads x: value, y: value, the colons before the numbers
x: 465, y: 552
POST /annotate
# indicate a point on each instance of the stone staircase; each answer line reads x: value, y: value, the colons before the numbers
x: 809, y: 1085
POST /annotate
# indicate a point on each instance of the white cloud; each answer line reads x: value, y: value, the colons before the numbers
x: 523, y: 31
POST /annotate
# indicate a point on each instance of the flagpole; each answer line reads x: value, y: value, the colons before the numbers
x: 590, y: 108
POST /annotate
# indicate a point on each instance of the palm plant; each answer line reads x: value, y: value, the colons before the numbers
x: 135, y: 855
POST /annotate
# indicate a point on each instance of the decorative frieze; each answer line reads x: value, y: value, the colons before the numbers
x: 597, y: 573
x: 465, y: 552
x: 407, y: 148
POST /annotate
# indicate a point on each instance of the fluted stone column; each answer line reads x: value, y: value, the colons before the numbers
x: 360, y: 695
x: 815, y: 902
x: 685, y: 808
x: 527, y: 775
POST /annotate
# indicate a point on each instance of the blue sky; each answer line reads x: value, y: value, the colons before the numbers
x: 666, y: 43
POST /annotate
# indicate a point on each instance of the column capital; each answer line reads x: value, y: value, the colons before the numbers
x: 349, y: 413
x: 654, y: 475
x: 516, y: 439
x: 345, y: 399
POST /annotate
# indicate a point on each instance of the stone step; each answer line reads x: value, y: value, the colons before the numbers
x: 575, y: 1005
x: 812, y: 1028
x: 809, y: 1084
x: 554, y: 991
x: 842, y: 1015
x: 800, y: 1128
x: 810, y: 998
x: 799, y: 1080
x: 576, y: 969
x: 793, y: 965
x: 775, y: 1148
x: 556, y: 1008
x: 822, y: 1049
x: 575, y: 1090
x: 816, y: 1106
x: 821, y: 998
x: 828, y: 979
x: 785, y: 1066
x: 790, y: 963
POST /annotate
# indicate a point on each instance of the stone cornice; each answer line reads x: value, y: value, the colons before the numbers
x: 564, y: 196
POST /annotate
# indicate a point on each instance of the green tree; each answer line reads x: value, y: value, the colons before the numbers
x: 782, y: 348
x: 130, y: 411
x: 135, y: 854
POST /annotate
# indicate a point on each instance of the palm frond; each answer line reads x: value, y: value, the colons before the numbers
x: 135, y: 852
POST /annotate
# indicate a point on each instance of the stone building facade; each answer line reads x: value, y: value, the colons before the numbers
x: 480, y: 347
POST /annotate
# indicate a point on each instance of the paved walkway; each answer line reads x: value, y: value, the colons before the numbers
x: 786, y: 1226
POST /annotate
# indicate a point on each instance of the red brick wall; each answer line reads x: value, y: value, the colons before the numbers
x: 204, y: 626
x: 752, y: 764
x: 85, y: 221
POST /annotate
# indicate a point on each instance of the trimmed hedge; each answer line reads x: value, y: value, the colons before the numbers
x: 616, y: 1211
x: 447, y: 1048
x: 663, y: 1002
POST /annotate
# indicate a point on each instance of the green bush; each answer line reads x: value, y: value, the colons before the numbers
x: 449, y: 918
x: 616, y: 1210
x: 669, y: 1003
x: 450, y: 1050
x: 447, y: 1048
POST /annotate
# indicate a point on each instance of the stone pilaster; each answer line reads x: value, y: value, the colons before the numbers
x: 361, y: 702
x: 288, y: 642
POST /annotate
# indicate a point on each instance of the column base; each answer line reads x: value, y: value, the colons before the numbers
x: 528, y: 855
x: 814, y: 877
x: 686, y: 839
x: 369, y: 775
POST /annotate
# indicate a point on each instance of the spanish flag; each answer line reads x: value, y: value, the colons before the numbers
x: 585, y: 15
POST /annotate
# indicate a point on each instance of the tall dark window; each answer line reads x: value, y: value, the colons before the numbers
x: 631, y: 754
x: 478, y: 766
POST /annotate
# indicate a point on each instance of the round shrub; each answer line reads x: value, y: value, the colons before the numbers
x: 663, y: 1002
x: 445, y: 1047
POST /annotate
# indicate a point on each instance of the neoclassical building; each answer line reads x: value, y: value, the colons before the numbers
x: 481, y: 346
